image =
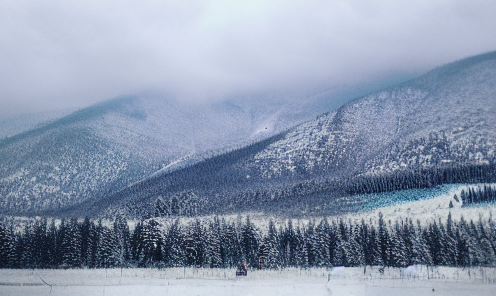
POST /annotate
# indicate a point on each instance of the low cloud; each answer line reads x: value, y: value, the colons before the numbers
x: 57, y: 54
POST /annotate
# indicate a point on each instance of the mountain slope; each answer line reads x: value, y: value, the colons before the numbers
x: 402, y: 127
x: 437, y: 125
x: 101, y: 149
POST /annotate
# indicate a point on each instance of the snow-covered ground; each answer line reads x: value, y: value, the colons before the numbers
x: 430, y: 205
x: 187, y: 281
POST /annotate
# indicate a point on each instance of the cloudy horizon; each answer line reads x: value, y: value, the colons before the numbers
x: 61, y: 54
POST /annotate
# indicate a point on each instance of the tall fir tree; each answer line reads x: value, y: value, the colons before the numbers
x: 71, y: 244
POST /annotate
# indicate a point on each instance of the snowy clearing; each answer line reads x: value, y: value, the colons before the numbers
x: 415, y: 280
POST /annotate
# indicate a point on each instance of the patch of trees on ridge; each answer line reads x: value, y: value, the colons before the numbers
x: 220, y: 243
x: 422, y: 178
x: 483, y: 194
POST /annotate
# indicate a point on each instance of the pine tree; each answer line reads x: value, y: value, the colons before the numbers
x: 4, y: 246
x: 27, y: 250
x: 108, y: 248
x: 174, y: 249
x: 301, y: 252
x: 195, y: 244
x: 136, y: 243
x: 42, y: 242
x: 233, y: 249
x: 71, y: 244
x: 321, y: 244
x: 341, y: 252
x: 269, y: 248
x: 85, y: 235
x: 150, y: 241
x: 489, y: 257
x: 213, y: 247
x: 94, y: 232
x: 463, y: 244
x: 52, y: 245
x: 356, y: 254
x: 399, y: 255
x: 250, y: 243
x: 476, y: 254
x: 372, y: 247
x: 309, y: 239
x: 450, y: 243
x: 122, y: 234
x: 383, y: 240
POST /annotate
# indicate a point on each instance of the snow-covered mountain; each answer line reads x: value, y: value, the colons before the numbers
x: 108, y: 146
x: 447, y: 115
x: 438, y: 128
x: 13, y: 125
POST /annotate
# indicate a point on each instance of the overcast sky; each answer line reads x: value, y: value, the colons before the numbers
x: 59, y: 54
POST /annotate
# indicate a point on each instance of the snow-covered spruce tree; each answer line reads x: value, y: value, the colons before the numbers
x: 71, y: 244
x: 321, y: 244
x: 91, y: 258
x: 399, y: 251
x: 301, y: 251
x: 26, y: 250
x: 35, y: 248
x: 174, y: 254
x: 420, y: 253
x: 356, y: 254
x: 85, y: 242
x: 371, y: 245
x: 384, y: 240
x: 437, y: 244
x: 122, y: 234
x: 491, y: 231
x: 341, y: 252
x: 195, y: 244
x: 249, y: 243
x: 60, y: 238
x: 52, y: 243
x: 150, y: 240
x: 269, y: 248
x: 8, y: 245
x: 464, y: 246
x: 231, y: 241
x: 450, y: 242
x: 485, y: 244
x: 108, y: 248
x: 476, y: 252
x: 136, y: 243
x: 213, y: 247
x: 288, y: 245
x: 3, y: 246
x: 309, y: 235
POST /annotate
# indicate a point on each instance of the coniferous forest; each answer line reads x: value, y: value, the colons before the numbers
x: 216, y: 243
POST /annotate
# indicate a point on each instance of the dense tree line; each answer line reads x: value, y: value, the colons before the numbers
x: 422, y: 178
x: 481, y: 194
x: 219, y: 243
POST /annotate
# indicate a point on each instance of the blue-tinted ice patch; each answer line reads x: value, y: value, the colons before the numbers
x: 374, y: 201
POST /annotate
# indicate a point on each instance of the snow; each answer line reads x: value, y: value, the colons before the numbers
x: 417, y: 280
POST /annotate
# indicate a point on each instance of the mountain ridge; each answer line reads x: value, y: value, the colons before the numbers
x: 395, y: 134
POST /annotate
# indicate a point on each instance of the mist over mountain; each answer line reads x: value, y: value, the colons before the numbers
x: 144, y: 156
x: 446, y: 115
x: 436, y: 129
x: 13, y: 125
x: 50, y: 163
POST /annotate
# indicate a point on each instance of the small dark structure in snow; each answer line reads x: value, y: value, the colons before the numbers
x: 242, y: 270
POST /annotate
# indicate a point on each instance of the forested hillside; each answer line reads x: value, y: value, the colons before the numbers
x: 104, y: 148
x: 436, y: 129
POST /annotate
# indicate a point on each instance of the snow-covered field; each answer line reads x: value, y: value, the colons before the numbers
x: 188, y: 281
